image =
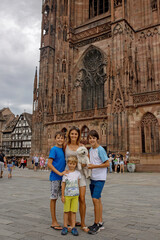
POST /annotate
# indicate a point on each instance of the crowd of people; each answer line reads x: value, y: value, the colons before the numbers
x: 11, y: 163
x: 40, y: 161
x: 117, y: 161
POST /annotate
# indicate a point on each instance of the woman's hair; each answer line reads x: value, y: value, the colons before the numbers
x: 59, y: 133
x: 93, y: 133
x: 72, y: 159
x: 79, y: 135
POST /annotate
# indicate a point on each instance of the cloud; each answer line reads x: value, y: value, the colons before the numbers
x: 19, y: 47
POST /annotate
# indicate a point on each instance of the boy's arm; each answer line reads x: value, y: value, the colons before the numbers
x: 103, y: 165
x: 63, y: 188
x: 50, y: 160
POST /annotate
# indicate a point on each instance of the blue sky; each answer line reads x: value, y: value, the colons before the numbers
x: 19, y: 52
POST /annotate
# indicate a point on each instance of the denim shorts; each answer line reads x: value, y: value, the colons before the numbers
x: 96, y: 188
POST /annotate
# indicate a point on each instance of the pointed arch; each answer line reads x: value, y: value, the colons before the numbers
x: 150, y: 134
x: 91, y: 76
x: 84, y: 134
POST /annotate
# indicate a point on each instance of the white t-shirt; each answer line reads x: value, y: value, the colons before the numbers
x: 97, y: 157
x: 71, y: 180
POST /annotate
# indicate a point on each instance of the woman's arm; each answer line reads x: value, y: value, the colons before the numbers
x: 50, y: 160
x: 103, y: 165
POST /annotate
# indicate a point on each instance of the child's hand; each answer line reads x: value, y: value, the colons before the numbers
x: 63, y: 199
x: 65, y: 172
x: 83, y: 165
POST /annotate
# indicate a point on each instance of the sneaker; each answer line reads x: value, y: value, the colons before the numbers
x: 94, y: 230
x: 93, y: 226
x: 101, y: 226
x: 64, y: 231
x: 74, y: 232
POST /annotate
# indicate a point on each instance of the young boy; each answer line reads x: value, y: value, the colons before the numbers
x: 56, y: 163
x: 10, y: 167
x: 99, y: 163
x: 70, y: 195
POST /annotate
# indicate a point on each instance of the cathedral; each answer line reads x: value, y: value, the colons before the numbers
x: 100, y: 69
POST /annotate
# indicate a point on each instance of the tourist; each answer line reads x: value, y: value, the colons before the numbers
x: 56, y: 163
x: 99, y: 163
x: 22, y: 163
x: 116, y: 161
x: 2, y: 161
x: 10, y: 168
x: 121, y: 164
x: 70, y: 194
x: 46, y: 164
x: 73, y: 143
x: 36, y: 160
x: 42, y: 162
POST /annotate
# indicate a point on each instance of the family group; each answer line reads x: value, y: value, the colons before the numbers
x: 70, y: 184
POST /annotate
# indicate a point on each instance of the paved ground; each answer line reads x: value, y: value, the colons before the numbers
x: 131, y: 207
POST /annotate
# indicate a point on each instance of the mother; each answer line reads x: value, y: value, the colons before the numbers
x: 73, y: 144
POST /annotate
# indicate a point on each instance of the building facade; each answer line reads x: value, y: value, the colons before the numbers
x: 99, y: 69
x: 17, y: 137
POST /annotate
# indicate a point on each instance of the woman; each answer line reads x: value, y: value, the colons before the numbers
x: 73, y: 144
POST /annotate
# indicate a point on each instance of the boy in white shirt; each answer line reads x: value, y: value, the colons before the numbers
x: 70, y: 194
x: 99, y: 163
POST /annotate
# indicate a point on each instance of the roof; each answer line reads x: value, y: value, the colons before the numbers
x: 28, y: 118
x: 10, y: 126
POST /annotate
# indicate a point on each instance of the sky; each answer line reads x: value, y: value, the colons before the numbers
x: 20, y: 22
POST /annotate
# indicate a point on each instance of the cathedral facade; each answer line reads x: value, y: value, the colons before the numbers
x: 100, y: 69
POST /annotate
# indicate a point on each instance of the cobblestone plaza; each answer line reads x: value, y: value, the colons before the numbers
x: 130, y: 202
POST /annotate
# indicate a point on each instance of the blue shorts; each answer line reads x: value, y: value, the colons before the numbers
x: 96, y: 188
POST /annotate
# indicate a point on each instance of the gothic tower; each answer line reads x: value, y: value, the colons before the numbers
x: 99, y: 69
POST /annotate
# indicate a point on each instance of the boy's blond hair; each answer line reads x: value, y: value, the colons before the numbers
x: 73, y: 159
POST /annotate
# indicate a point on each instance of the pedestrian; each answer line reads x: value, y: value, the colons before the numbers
x: 22, y: 164
x: 41, y: 162
x: 99, y: 163
x: 10, y: 168
x: 56, y: 162
x: 46, y: 164
x: 36, y: 160
x: 110, y: 162
x: 70, y: 195
x: 2, y: 161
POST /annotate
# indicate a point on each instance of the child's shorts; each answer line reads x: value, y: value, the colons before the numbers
x: 96, y: 188
x: 55, y: 189
x: 71, y: 204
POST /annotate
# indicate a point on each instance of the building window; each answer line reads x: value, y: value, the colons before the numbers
x: 57, y: 97
x: 65, y: 7
x: 92, y: 77
x: 63, y: 97
x: 97, y: 7
x: 64, y: 66
x: 150, y: 134
x: 154, y: 5
x: 65, y: 33
x: 84, y: 134
x: 58, y: 65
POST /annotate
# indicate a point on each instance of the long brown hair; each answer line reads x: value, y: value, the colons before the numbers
x: 79, y: 135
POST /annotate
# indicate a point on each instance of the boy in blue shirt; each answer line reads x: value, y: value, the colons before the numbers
x: 56, y: 163
x: 99, y: 163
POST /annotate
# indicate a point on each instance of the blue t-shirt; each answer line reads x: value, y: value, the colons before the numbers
x: 59, y: 162
x: 10, y: 167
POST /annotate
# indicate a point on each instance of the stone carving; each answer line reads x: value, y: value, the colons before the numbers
x: 129, y: 31
x: 146, y: 98
x: 117, y: 3
x: 65, y: 117
x: 149, y: 119
x: 149, y: 33
x: 84, y: 114
x: 118, y: 29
